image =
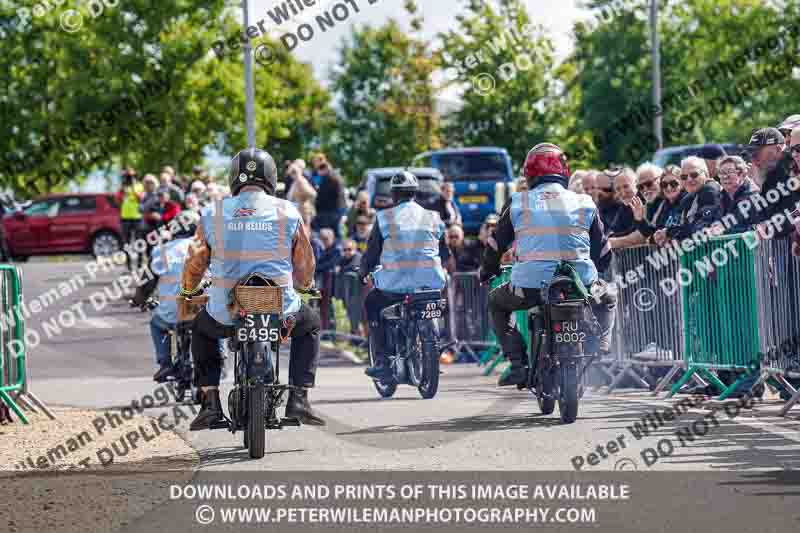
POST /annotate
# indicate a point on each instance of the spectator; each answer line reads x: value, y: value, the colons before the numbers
x: 175, y: 192
x: 576, y: 181
x: 200, y: 192
x: 711, y: 154
x: 168, y: 208
x: 360, y: 209
x: 329, y: 258
x: 130, y: 196
x: 732, y: 174
x: 192, y: 203
x: 348, y: 286
x: 665, y: 213
x: 199, y: 173
x: 464, y: 256
x: 607, y: 205
x: 588, y: 182
x: 522, y: 185
x: 700, y: 208
x: 790, y: 124
x: 330, y: 202
x: 446, y: 205
x: 794, y: 151
x: 647, y: 179
x: 363, y: 229
x: 301, y: 192
x: 774, y: 164
x: 151, y: 213
x: 169, y: 170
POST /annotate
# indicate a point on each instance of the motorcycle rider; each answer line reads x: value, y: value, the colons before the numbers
x: 550, y: 224
x: 166, y: 266
x: 408, y: 242
x: 252, y: 232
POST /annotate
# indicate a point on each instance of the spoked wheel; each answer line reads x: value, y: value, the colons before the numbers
x: 429, y: 365
x: 256, y: 415
x: 547, y: 390
x: 568, y: 398
x: 386, y: 390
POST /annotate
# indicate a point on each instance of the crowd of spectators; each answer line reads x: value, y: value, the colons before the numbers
x: 654, y: 205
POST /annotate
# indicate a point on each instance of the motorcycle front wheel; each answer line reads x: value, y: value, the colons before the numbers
x: 256, y: 415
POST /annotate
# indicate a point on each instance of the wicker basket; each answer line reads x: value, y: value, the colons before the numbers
x: 188, y: 309
x: 266, y: 300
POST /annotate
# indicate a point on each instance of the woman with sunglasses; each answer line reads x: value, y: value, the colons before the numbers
x: 664, y: 211
x: 732, y: 175
x: 701, y: 207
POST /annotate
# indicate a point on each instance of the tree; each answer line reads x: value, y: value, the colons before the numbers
x: 506, y: 65
x: 150, y: 95
x: 386, y: 113
x: 716, y: 84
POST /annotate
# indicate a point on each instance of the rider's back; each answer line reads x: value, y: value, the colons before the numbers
x: 167, y: 264
x: 551, y: 224
x: 249, y: 233
x: 410, y: 256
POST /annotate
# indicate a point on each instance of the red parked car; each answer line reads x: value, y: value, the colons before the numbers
x: 64, y: 223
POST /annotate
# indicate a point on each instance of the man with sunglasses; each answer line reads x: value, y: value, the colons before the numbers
x: 648, y: 201
x: 791, y: 123
x: 701, y: 207
x: 550, y: 225
x: 666, y: 212
x: 773, y: 165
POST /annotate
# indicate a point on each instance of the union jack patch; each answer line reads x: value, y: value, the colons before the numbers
x: 244, y: 212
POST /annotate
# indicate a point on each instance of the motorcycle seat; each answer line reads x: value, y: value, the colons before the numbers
x: 424, y: 296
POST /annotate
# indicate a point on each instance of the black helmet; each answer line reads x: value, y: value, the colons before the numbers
x: 253, y: 167
x: 404, y: 181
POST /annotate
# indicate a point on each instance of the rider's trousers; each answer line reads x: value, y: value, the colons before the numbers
x: 504, y: 300
x: 303, y: 354
x: 376, y: 301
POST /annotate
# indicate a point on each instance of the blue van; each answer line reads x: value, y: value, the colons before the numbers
x: 483, y: 179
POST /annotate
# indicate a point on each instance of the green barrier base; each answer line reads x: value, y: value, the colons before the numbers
x: 9, y: 401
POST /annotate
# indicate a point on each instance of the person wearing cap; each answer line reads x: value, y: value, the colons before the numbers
x: 790, y: 123
x: 773, y: 164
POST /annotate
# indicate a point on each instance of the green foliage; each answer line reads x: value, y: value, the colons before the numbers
x: 137, y: 85
x: 386, y: 101
x: 720, y: 76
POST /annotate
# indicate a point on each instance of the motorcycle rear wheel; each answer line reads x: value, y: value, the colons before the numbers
x: 256, y: 415
x: 569, y: 396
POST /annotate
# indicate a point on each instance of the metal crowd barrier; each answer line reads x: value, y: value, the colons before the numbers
x: 15, y: 390
x: 648, y: 332
x: 741, y: 310
x: 468, y: 316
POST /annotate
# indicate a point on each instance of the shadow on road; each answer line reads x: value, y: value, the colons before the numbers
x: 226, y: 455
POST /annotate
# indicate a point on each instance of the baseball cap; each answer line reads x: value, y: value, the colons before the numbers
x: 765, y: 137
x: 791, y: 122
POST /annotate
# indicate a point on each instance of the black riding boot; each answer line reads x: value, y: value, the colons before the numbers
x: 380, y: 369
x: 211, y: 412
x: 514, y: 348
x: 297, y: 406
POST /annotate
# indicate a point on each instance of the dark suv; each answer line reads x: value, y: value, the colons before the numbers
x: 64, y: 223
x: 377, y: 182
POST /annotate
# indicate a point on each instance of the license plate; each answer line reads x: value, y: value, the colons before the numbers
x: 473, y: 199
x: 568, y: 332
x: 257, y: 328
x: 431, y: 311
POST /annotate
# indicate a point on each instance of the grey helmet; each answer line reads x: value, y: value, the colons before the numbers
x: 404, y: 181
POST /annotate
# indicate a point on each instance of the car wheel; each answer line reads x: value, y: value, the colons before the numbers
x: 105, y: 243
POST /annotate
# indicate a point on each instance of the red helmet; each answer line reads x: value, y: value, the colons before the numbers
x: 546, y: 159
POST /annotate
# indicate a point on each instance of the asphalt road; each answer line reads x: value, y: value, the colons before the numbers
x: 106, y: 360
